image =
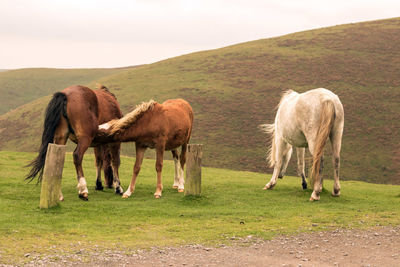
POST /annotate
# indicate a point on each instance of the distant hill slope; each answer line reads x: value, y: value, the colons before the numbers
x: 234, y: 89
x: 21, y: 86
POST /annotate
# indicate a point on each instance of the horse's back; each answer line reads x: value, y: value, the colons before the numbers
x: 299, y: 115
x: 178, y: 109
x: 82, y: 110
x: 312, y: 101
x: 179, y: 115
x: 108, y: 106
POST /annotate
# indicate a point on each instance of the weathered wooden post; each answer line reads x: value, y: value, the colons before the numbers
x: 193, y: 170
x: 52, y: 174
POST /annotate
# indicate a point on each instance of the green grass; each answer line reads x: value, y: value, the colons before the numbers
x: 232, y: 205
x: 236, y: 88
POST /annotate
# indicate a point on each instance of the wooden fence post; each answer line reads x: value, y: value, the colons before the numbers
x: 52, y: 174
x: 193, y: 170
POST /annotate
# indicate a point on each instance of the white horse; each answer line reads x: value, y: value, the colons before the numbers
x: 306, y: 120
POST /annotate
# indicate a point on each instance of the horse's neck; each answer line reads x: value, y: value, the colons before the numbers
x: 128, y: 134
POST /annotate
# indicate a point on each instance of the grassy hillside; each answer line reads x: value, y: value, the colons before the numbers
x: 234, y: 89
x: 18, y: 87
x: 225, y: 211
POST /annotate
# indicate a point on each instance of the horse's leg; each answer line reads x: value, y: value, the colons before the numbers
x: 60, y: 138
x: 321, y: 177
x: 286, y: 158
x: 177, y: 166
x: 301, y: 165
x: 336, y: 140
x: 136, y: 169
x: 115, y: 163
x: 107, y: 169
x: 182, y: 162
x: 98, y: 154
x: 281, y: 146
x: 159, y: 165
x: 316, y: 180
x: 83, y: 144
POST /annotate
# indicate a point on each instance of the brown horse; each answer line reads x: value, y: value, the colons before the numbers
x: 165, y: 126
x: 76, y: 113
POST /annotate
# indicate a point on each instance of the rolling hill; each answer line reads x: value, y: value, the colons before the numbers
x: 21, y: 86
x: 236, y: 88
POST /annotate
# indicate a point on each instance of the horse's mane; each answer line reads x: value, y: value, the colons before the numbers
x: 131, y: 117
x: 99, y: 86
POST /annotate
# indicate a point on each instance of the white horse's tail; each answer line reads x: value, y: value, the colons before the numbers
x: 327, y: 119
x: 270, y: 129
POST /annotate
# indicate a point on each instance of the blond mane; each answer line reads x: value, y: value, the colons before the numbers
x: 131, y: 117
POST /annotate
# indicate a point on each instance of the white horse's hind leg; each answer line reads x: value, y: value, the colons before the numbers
x: 321, y: 178
x: 286, y: 158
x: 301, y: 165
x: 316, y: 180
x: 336, y: 144
x: 281, y: 147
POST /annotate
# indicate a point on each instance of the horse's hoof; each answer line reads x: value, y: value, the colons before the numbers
x: 268, y: 187
x: 84, y: 196
x: 181, y: 190
x: 99, y: 188
x: 175, y: 187
x: 119, y: 191
x: 157, y: 196
x: 336, y: 194
x: 61, y: 199
x: 312, y: 199
x: 125, y: 196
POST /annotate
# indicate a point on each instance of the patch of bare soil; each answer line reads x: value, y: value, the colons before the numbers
x: 378, y: 246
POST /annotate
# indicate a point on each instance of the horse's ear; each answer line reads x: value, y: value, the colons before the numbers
x: 100, y: 86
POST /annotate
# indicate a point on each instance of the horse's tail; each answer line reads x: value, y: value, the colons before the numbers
x: 325, y: 127
x: 55, y: 108
x: 270, y: 129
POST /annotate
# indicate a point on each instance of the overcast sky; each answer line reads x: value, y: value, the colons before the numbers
x: 116, y: 33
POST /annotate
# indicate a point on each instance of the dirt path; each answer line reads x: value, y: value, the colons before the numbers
x: 374, y: 247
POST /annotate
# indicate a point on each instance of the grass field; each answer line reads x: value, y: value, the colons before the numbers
x: 232, y: 205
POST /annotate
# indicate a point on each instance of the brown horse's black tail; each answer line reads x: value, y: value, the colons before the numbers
x: 55, y: 108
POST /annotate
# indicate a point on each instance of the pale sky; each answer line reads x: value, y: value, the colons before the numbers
x: 117, y: 33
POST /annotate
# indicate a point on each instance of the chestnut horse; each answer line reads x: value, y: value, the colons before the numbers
x: 76, y: 113
x: 165, y: 126
x: 306, y: 120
